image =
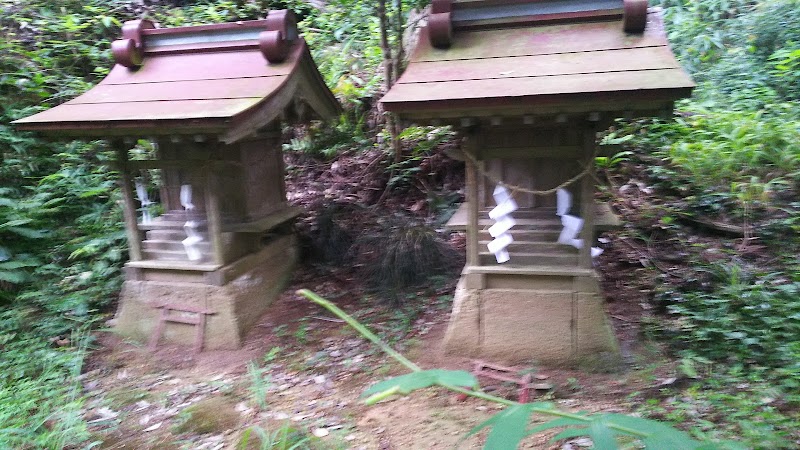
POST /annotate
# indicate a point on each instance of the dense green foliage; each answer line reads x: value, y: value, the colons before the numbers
x: 732, y: 155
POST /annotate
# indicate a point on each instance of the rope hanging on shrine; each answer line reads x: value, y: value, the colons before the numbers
x: 587, y: 171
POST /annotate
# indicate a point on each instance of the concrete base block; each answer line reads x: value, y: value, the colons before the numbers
x: 546, y: 326
x: 237, y: 305
x: 463, y: 336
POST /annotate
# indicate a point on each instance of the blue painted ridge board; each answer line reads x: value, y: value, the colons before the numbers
x: 201, y: 37
x: 533, y: 9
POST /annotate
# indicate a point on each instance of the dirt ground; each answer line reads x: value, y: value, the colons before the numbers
x: 303, y: 367
x: 314, y: 369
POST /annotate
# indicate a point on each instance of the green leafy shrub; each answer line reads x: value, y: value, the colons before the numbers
x: 743, y: 318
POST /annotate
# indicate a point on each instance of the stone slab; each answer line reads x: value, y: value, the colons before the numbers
x: 237, y: 305
x: 534, y: 324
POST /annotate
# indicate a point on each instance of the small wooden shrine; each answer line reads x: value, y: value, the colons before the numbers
x: 529, y: 84
x: 211, y: 98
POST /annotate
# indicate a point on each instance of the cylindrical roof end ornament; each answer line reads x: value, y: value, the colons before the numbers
x: 635, y: 18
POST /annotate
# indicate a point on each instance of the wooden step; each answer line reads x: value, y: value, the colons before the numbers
x: 536, y: 247
x: 510, y: 268
x: 170, y: 235
x: 531, y: 259
x: 520, y: 234
x: 173, y: 245
x: 525, y: 213
x: 171, y: 255
x: 532, y: 224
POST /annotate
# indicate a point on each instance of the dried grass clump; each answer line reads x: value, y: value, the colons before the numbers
x: 406, y: 256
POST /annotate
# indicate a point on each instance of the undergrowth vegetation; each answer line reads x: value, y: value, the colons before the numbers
x: 731, y: 157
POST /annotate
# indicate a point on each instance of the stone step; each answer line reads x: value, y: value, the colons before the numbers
x: 531, y: 259
x: 173, y: 245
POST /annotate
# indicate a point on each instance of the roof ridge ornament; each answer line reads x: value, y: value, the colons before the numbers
x: 129, y: 51
x: 440, y: 23
x: 447, y: 15
x: 281, y: 33
x: 635, y: 16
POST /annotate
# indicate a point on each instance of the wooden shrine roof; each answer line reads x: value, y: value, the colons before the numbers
x: 551, y: 63
x: 227, y: 79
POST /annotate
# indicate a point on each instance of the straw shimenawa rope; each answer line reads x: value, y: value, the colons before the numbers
x: 587, y: 171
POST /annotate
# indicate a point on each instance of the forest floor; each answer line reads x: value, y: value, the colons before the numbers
x: 300, y: 365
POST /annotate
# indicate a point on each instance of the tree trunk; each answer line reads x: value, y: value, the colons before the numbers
x: 388, y: 70
x: 400, y: 25
x: 389, y: 73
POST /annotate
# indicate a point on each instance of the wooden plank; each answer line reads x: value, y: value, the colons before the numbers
x: 278, y: 247
x: 587, y: 199
x: 237, y: 88
x: 185, y: 266
x: 617, y: 60
x: 128, y: 204
x: 458, y: 221
x: 542, y: 40
x: 183, y: 307
x: 568, y: 152
x: 198, y: 66
x: 214, y: 218
x: 200, y: 333
x: 105, y: 114
x: 471, y: 146
x: 267, y: 223
x: 566, y: 271
x: 185, y: 320
x: 615, y: 82
x: 162, y: 322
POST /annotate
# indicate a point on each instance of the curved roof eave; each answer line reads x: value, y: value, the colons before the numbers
x: 570, y: 66
x: 226, y: 89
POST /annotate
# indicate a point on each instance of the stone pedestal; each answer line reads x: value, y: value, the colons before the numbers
x: 238, y: 294
x: 551, y: 317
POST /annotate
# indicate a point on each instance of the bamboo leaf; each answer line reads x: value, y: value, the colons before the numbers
x: 571, y: 433
x: 602, y: 436
x: 659, y: 435
x: 509, y: 429
x: 557, y: 423
x: 405, y: 384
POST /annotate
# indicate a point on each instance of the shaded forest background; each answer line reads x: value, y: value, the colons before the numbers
x: 728, y: 162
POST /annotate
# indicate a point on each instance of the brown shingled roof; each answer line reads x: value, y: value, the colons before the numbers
x: 540, y: 67
x: 201, y: 79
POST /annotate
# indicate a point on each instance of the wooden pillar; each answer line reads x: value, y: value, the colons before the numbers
x: 587, y: 196
x: 473, y: 200
x: 128, y: 203
x: 214, y: 216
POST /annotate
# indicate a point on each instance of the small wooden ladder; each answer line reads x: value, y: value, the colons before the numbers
x: 199, y: 321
